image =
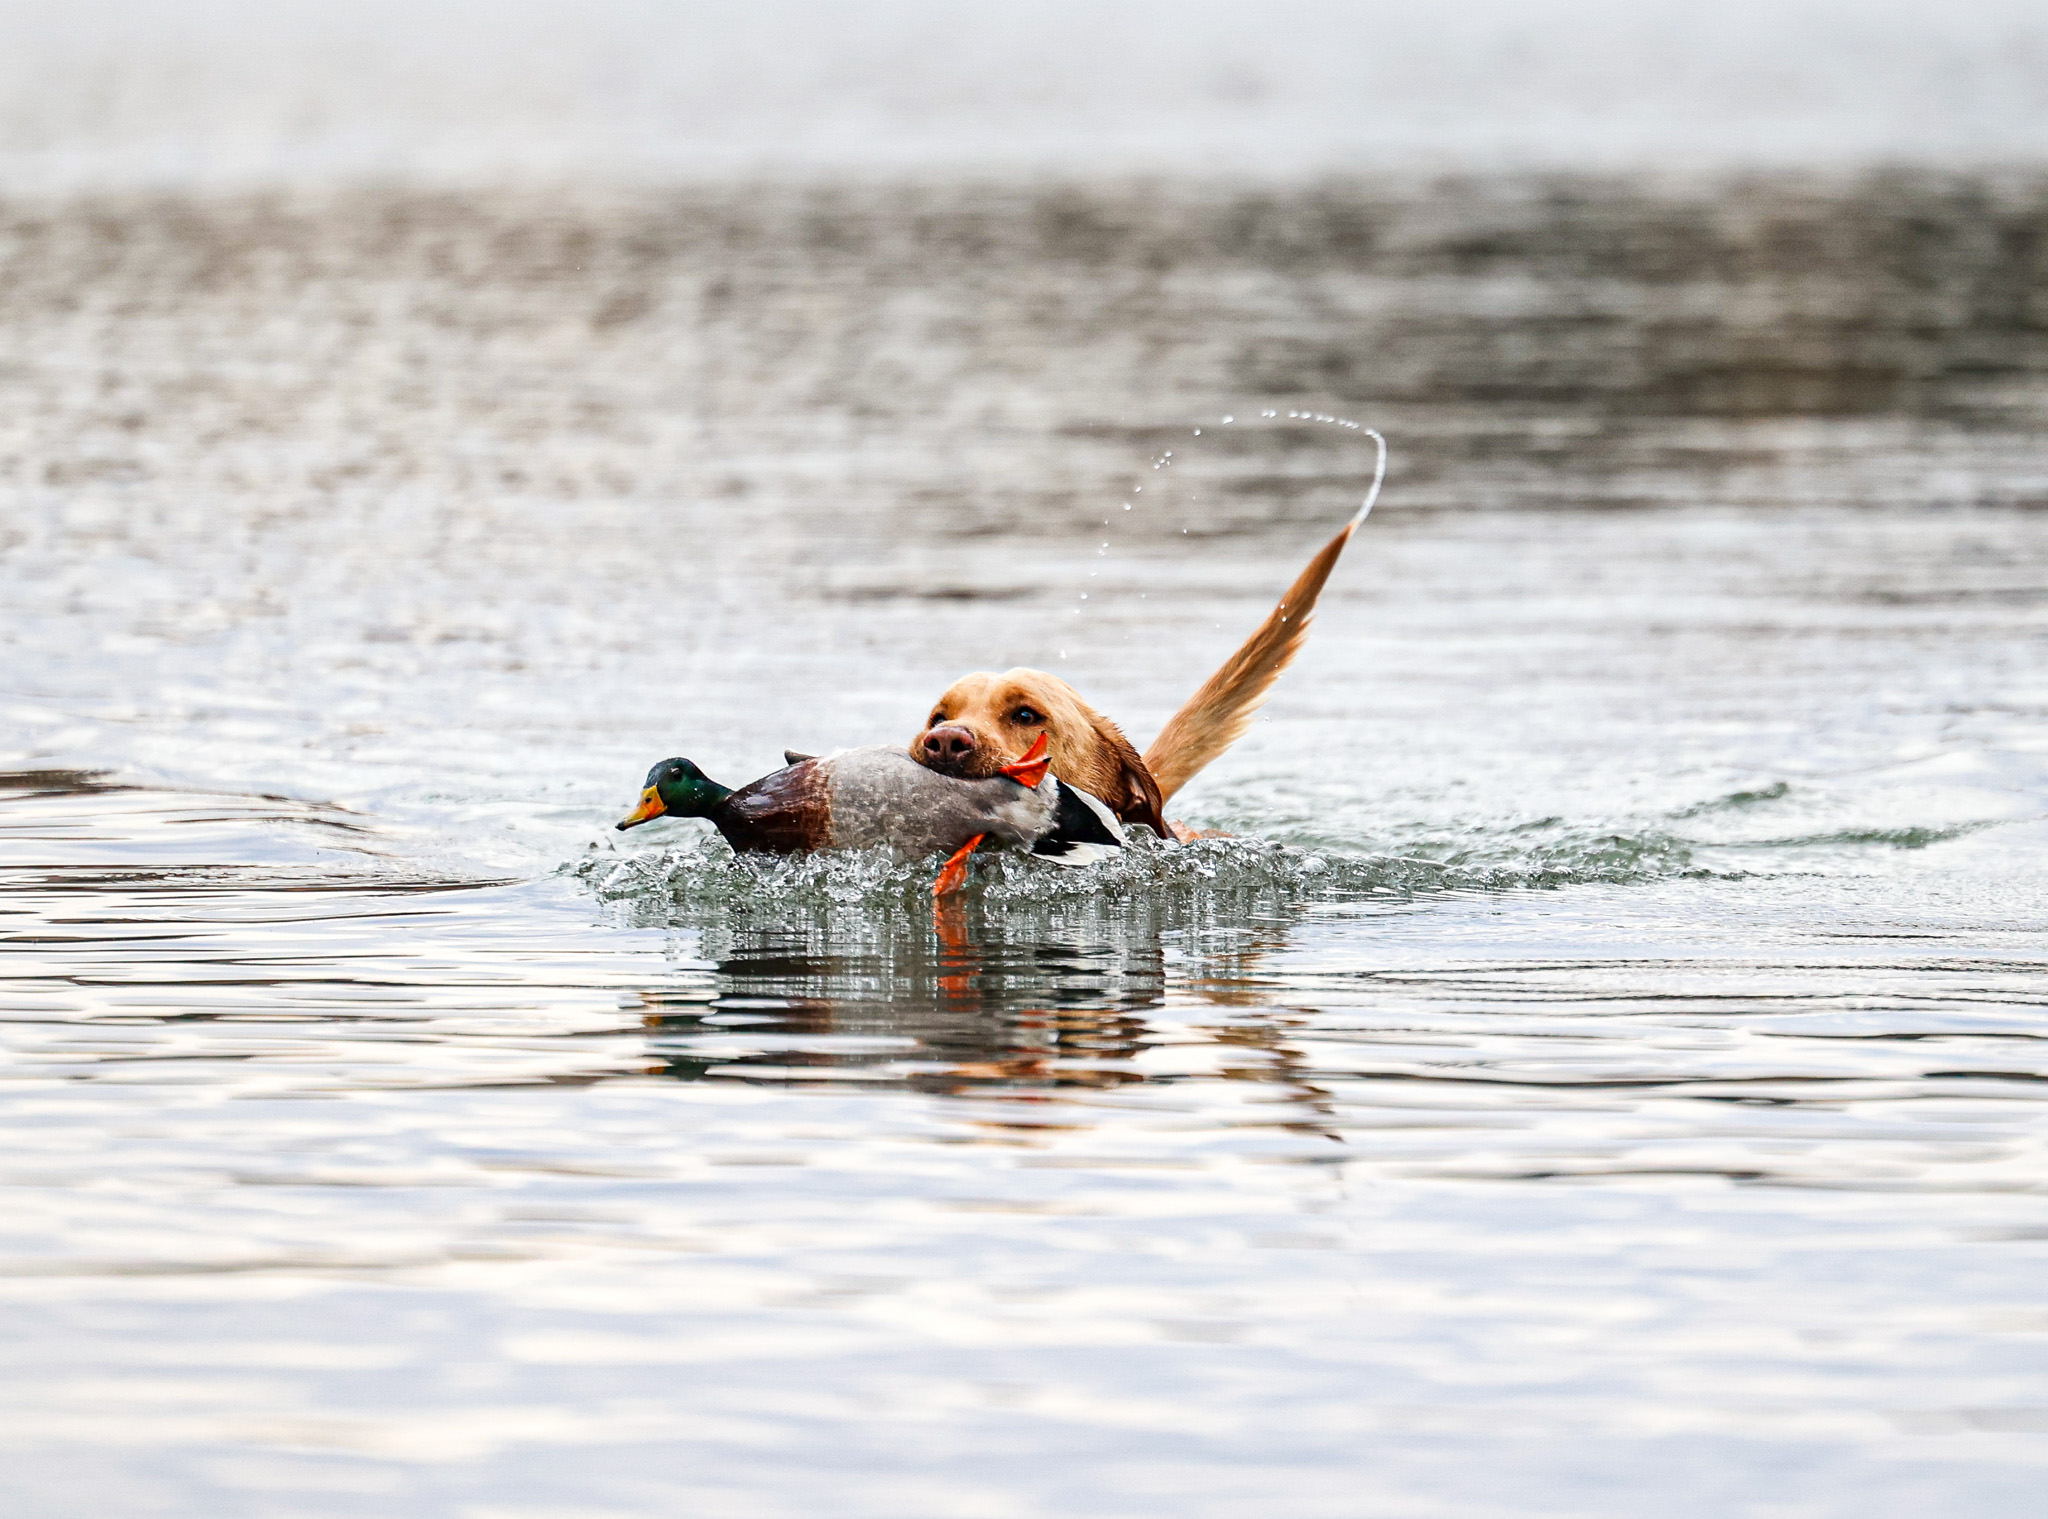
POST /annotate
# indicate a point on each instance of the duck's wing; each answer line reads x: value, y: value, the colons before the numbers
x: 1083, y: 829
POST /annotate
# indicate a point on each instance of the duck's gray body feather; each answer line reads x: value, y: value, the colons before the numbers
x: 880, y: 796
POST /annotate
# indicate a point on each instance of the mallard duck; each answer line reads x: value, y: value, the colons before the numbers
x: 881, y: 797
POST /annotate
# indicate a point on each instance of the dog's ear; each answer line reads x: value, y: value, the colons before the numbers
x: 1138, y: 800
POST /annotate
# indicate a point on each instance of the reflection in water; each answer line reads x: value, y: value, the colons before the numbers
x: 1023, y: 999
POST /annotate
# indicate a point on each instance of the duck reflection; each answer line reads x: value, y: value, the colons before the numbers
x: 991, y: 996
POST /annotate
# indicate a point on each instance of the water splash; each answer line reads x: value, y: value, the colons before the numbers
x: 706, y: 874
x: 1164, y: 460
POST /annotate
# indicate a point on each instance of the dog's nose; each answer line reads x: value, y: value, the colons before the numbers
x: 948, y: 743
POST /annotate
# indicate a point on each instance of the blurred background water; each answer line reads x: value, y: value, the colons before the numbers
x: 1601, y: 1075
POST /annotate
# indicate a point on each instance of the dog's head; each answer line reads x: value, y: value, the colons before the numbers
x: 986, y: 721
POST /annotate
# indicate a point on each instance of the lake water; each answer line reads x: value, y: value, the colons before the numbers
x: 1602, y: 1075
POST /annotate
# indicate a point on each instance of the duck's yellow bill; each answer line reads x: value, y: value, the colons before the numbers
x: 649, y: 809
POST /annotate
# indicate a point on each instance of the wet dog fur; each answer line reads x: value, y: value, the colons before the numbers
x: 985, y: 721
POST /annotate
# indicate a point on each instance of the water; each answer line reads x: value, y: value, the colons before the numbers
x: 240, y: 92
x: 1601, y: 1075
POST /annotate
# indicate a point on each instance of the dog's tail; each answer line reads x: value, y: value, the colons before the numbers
x: 1216, y: 716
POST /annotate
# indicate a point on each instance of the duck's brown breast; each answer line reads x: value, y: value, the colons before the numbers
x: 787, y: 811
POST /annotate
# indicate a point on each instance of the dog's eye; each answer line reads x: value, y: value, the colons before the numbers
x: 937, y: 718
x: 1027, y: 716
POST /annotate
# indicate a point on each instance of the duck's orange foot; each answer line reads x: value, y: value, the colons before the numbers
x: 1029, y: 770
x: 954, y: 875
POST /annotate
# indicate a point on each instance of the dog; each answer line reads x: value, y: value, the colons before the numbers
x: 985, y: 721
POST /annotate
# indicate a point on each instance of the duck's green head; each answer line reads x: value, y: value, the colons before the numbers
x: 676, y: 788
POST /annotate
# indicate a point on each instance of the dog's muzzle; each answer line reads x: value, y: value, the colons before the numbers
x: 949, y: 749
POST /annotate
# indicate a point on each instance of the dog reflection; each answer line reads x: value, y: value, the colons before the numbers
x: 982, y: 1002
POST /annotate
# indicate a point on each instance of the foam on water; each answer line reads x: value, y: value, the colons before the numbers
x: 1774, y: 829
x: 706, y: 875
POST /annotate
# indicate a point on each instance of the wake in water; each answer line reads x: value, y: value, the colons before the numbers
x: 1774, y: 829
x: 706, y: 874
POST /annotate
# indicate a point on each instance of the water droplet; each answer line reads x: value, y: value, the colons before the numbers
x: 1127, y: 506
x: 1230, y: 419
